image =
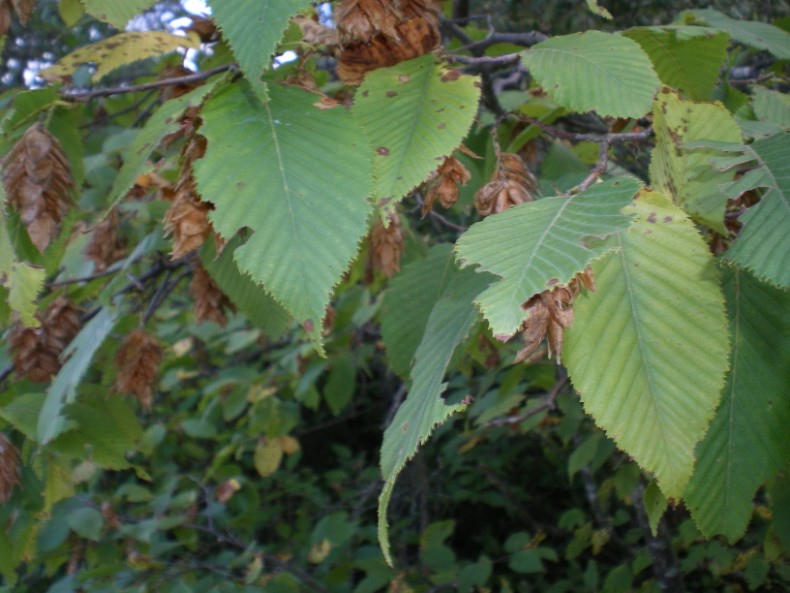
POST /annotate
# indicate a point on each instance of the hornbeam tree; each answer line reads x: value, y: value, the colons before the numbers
x: 252, y: 260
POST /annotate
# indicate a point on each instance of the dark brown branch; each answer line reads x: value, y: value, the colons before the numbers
x: 611, y: 138
x: 85, y: 96
x: 547, y: 403
x: 506, y: 60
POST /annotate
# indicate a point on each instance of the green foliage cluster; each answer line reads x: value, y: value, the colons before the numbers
x: 349, y: 432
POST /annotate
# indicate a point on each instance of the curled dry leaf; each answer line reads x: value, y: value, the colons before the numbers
x: 386, y: 245
x: 9, y: 468
x: 138, y: 361
x: 443, y: 186
x: 36, y: 351
x: 5, y: 16
x: 210, y: 302
x: 37, y: 179
x: 510, y: 185
x: 175, y: 90
x: 106, y: 245
x: 550, y: 313
x: 314, y: 33
x: 380, y: 33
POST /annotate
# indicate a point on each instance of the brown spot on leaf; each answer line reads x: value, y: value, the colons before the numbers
x: 383, y: 151
x: 552, y: 281
x: 391, y: 94
x: 667, y: 219
x: 442, y: 126
x: 451, y: 76
x: 404, y: 78
x: 308, y: 325
x: 652, y: 217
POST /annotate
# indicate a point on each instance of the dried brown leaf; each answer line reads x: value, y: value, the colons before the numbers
x: 138, y: 361
x: 510, y: 185
x: 210, y: 302
x: 386, y: 245
x: 9, y: 468
x: 444, y: 184
x: 106, y: 245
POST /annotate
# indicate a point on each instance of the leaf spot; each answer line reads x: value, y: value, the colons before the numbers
x: 391, y: 94
x: 451, y: 75
x: 667, y: 219
x: 652, y: 217
x: 404, y: 78
x: 383, y: 151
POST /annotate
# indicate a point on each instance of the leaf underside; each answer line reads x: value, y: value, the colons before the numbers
x: 751, y: 33
x: 648, y: 350
x: 118, y: 14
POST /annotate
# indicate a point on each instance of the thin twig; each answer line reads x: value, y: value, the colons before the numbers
x: 547, y: 403
x: 611, y: 138
x: 506, y: 60
x: 108, y: 272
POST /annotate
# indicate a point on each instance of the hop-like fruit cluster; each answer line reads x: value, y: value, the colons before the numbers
x: 138, y: 361
x: 9, y: 468
x: 38, y: 181
x: 386, y: 245
x: 550, y: 314
x: 23, y: 8
x: 36, y: 350
x: 510, y: 185
x: 106, y: 245
x: 187, y: 218
x: 443, y: 186
x: 380, y: 33
x: 210, y: 302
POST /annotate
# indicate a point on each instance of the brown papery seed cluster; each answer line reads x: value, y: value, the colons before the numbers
x: 37, y: 179
x: 210, y: 302
x: 380, y: 33
x: 106, y: 245
x: 550, y: 314
x: 386, y: 245
x: 36, y: 351
x: 444, y: 184
x: 9, y: 468
x: 138, y: 361
x: 510, y: 185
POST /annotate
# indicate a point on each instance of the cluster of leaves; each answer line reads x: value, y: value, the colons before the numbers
x: 249, y: 454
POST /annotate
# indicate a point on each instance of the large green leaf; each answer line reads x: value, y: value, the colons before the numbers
x: 763, y: 245
x: 687, y: 176
x: 262, y: 310
x: 687, y: 58
x: 253, y: 28
x: 408, y: 303
x: 276, y: 169
x: 751, y: 33
x: 772, y: 107
x: 648, y: 350
x: 165, y: 120
x: 414, y: 114
x: 541, y: 244
x: 117, y: 13
x: 52, y: 420
x: 448, y: 326
x: 748, y: 441
x: 595, y: 71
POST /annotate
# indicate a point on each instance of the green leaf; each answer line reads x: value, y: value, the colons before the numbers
x: 71, y: 11
x: 408, y: 303
x: 748, y: 440
x: 63, y: 391
x: 303, y: 199
x: 448, y: 326
x: 595, y: 8
x: 86, y: 522
x: 165, y: 121
x: 541, y: 244
x: 687, y: 58
x: 116, y: 13
x: 763, y: 245
x: 22, y: 413
x: 253, y: 29
x: 772, y: 107
x: 24, y: 283
x: 414, y: 114
x: 341, y: 383
x: 117, y: 51
x: 648, y: 350
x: 262, y: 310
x: 684, y: 174
x: 753, y: 34
x: 594, y: 71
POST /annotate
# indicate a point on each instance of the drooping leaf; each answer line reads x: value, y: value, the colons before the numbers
x: 448, y: 326
x: 253, y: 29
x: 751, y: 33
x: 594, y: 71
x: 685, y: 175
x: 540, y: 244
x: 772, y: 107
x: 79, y: 354
x: 408, y: 302
x: 748, y: 440
x: 303, y: 200
x: 414, y: 114
x: 763, y: 245
x: 165, y: 120
x: 686, y: 58
x: 648, y: 349
x: 262, y: 310
x: 117, y: 51
x: 116, y: 13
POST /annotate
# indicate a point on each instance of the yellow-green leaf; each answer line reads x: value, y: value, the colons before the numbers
x: 116, y: 12
x: 268, y: 456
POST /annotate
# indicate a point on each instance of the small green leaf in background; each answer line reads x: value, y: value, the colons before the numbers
x: 772, y: 107
x: 686, y: 58
x: 86, y: 522
x: 341, y: 383
x: 253, y: 29
x: 688, y: 176
x: 763, y: 244
x: 448, y: 326
x: 751, y: 33
x: 70, y: 11
x: 413, y: 114
x: 594, y: 71
x: 748, y: 440
x: 540, y: 244
x: 648, y: 350
x: 408, y: 303
x: 116, y: 13
x: 304, y: 201
x: 596, y: 8
x: 268, y: 456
